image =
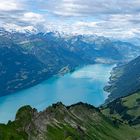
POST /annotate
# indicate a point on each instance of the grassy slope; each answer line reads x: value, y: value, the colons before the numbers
x: 125, y: 109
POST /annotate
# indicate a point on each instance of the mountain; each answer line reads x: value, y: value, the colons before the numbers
x: 26, y: 59
x: 133, y: 40
x: 59, y: 122
x: 128, y: 50
x: 17, y: 68
x: 18, y: 29
x: 125, y: 80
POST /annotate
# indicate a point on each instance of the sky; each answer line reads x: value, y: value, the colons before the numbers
x: 111, y: 18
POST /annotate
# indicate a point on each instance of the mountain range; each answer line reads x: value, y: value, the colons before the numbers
x: 27, y: 59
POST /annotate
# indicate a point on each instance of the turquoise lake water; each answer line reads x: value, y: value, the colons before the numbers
x: 85, y: 84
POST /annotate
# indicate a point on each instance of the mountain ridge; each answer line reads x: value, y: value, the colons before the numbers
x: 80, y: 121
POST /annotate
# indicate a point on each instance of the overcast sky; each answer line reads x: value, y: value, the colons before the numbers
x: 113, y: 18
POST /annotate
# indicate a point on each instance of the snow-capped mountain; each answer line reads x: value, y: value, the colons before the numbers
x: 20, y: 29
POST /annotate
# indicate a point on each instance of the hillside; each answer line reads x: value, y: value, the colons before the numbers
x: 58, y: 122
x: 125, y: 80
x: 126, y: 109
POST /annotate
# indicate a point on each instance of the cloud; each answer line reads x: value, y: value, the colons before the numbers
x: 9, y: 5
x: 10, y: 11
x: 112, y: 18
x: 91, y: 7
x: 18, y: 14
x: 32, y: 18
x: 86, y: 24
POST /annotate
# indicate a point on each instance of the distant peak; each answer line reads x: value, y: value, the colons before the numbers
x: 21, y: 29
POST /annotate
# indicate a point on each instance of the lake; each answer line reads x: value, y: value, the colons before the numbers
x: 84, y: 84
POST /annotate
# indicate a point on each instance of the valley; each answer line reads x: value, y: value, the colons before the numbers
x: 42, y: 69
x: 28, y: 59
x: 69, y: 70
x: 96, y: 119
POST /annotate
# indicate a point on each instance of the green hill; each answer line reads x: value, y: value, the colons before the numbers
x: 126, y: 109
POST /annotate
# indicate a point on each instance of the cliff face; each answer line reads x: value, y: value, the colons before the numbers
x: 58, y: 122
